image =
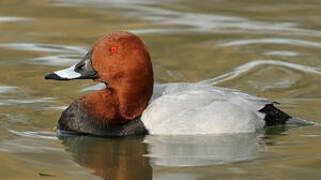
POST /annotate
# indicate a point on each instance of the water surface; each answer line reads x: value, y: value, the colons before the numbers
x: 268, y: 48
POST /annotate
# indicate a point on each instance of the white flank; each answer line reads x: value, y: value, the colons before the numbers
x: 200, y: 108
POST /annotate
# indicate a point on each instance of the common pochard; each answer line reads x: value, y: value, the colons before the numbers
x: 122, y: 62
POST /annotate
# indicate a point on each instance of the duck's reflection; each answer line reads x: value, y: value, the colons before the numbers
x: 202, y: 150
x: 127, y: 158
x: 120, y: 158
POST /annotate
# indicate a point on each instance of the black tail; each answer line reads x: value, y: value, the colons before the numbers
x: 274, y: 116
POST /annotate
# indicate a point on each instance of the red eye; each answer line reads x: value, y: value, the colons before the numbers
x: 113, y: 49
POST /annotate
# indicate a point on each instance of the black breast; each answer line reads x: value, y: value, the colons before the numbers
x: 75, y: 120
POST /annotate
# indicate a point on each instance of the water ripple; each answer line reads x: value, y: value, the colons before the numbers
x: 281, y: 53
x: 250, y: 65
x: 56, y: 108
x: 96, y: 87
x: 190, y: 21
x: 272, y: 41
x: 63, y: 55
x: 41, y: 47
x: 59, y: 60
x: 5, y: 102
x: 35, y: 134
x: 4, y: 19
x: 24, y: 141
x: 5, y: 89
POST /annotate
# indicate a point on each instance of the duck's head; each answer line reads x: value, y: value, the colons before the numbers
x: 120, y: 60
x: 115, y: 58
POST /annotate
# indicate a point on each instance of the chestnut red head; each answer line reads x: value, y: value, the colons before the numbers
x: 120, y: 60
x: 114, y: 56
x: 121, y: 57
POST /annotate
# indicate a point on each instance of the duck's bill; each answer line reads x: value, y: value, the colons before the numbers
x: 81, y: 70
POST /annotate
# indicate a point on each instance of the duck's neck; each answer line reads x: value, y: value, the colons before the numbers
x: 133, y: 98
x: 117, y: 105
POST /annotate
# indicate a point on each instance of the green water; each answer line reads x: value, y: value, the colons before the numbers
x: 269, y: 48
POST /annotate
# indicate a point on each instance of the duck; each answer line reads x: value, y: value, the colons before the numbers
x: 131, y: 104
